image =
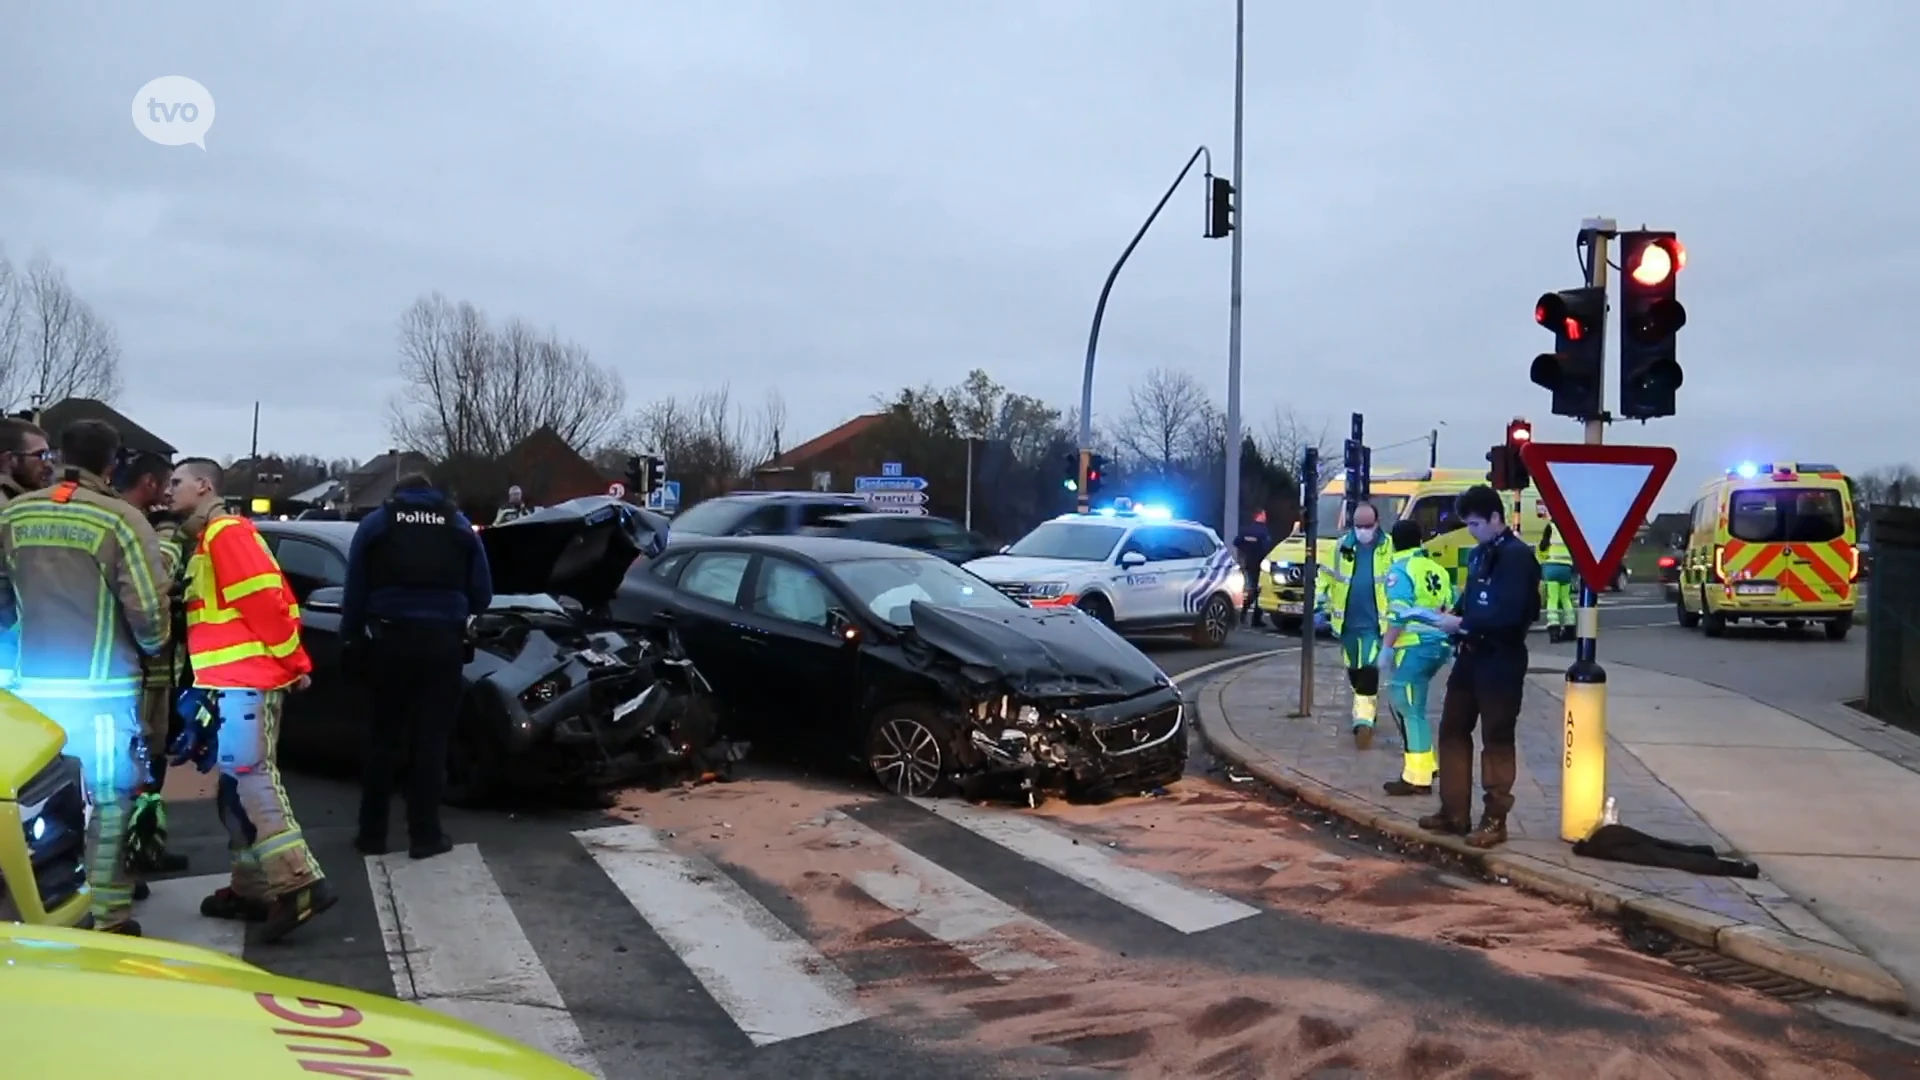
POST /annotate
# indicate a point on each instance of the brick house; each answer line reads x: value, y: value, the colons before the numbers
x: 827, y: 462
x: 56, y: 417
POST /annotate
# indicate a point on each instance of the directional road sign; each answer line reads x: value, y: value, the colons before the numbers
x: 889, y: 483
x: 897, y: 498
x: 910, y: 511
x: 1599, y: 496
x: 891, y: 468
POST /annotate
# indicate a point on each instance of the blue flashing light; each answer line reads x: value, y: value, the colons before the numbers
x: 1108, y: 511
x: 1154, y: 513
x: 1747, y: 470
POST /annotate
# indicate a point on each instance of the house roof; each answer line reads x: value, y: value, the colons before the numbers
x: 55, y: 418
x: 820, y: 444
x: 549, y: 469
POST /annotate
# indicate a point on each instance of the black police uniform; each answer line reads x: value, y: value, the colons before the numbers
x: 1501, y: 600
x: 415, y: 574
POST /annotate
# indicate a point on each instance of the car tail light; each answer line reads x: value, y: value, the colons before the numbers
x: 1854, y: 574
x: 1719, y: 564
x: 1668, y: 562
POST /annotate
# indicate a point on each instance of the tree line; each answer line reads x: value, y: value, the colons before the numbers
x: 53, y: 344
x: 472, y: 388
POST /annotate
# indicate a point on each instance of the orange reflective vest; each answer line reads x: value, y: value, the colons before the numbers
x: 243, y: 626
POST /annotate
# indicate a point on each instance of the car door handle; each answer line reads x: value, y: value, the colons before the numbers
x: 664, y: 615
x: 753, y: 639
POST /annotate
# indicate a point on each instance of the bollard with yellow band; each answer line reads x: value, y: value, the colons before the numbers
x: 1583, y: 761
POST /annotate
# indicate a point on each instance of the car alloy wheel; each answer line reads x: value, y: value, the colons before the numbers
x: 1216, y: 620
x: 906, y: 756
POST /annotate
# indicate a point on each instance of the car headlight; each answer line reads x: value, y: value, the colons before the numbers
x: 1045, y: 590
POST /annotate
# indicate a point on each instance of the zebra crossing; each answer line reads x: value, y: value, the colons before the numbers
x: 538, y: 939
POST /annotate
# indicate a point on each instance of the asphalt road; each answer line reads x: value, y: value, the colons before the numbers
x: 789, y: 924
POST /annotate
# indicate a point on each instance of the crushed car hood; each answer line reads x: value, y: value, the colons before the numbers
x: 581, y: 548
x: 1040, y: 654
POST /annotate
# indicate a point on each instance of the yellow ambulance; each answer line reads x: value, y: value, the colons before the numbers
x: 1772, y: 543
x: 43, y: 821
x: 1425, y: 495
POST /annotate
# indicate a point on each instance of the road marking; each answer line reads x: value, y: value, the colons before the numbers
x: 171, y: 912
x: 770, y: 980
x: 1165, y: 901
x: 454, y: 945
x: 942, y: 904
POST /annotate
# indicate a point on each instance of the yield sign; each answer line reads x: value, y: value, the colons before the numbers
x: 1598, y: 496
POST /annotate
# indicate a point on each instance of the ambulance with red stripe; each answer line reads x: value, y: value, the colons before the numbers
x: 1772, y: 543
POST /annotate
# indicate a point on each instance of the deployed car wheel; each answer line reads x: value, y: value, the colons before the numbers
x: 476, y: 763
x: 1688, y: 619
x: 1097, y: 607
x: 1837, y: 628
x: 909, y: 750
x: 1713, y: 624
x: 1216, y: 621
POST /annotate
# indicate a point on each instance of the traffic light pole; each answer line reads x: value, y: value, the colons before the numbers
x: 1309, y: 573
x: 1100, y: 311
x: 1583, y: 762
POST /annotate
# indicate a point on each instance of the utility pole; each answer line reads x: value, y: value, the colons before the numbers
x: 969, y: 512
x: 253, y: 458
x: 1583, y: 780
x: 1232, y: 526
x: 1100, y: 311
x: 1310, y: 573
x: 1433, y: 448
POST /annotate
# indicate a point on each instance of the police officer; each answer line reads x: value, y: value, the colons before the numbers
x: 1556, y: 570
x: 1489, y: 626
x: 415, y: 573
x: 1252, y: 546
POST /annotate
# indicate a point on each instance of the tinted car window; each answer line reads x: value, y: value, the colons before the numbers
x: 787, y: 590
x: 716, y: 575
x: 888, y: 587
x: 1435, y: 515
x: 715, y: 517
x: 812, y: 513
x: 664, y: 569
x: 1188, y: 544
x: 309, y: 566
x: 1786, y: 516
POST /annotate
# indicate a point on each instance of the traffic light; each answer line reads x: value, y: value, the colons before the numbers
x: 1071, y: 462
x: 1650, y: 321
x: 1096, y: 474
x: 1508, y: 471
x: 1574, y: 371
x: 637, y: 475
x: 1219, y: 207
x: 656, y: 477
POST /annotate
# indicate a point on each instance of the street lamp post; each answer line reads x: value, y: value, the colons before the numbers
x: 1239, y: 230
x: 1100, y: 311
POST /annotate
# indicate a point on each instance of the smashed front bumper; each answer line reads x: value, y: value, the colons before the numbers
x: 626, y: 725
x: 1087, y: 751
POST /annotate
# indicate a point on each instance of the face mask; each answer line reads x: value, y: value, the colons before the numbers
x: 1365, y: 536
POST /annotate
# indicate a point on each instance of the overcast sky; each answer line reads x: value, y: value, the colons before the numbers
x: 835, y: 198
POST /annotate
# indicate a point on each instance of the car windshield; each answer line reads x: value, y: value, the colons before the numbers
x: 888, y: 587
x: 1080, y: 541
x: 715, y: 517
x: 1333, y: 513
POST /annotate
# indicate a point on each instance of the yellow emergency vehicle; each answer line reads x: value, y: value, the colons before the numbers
x: 1772, y: 543
x: 43, y: 821
x: 1427, y: 496
x: 84, y: 1003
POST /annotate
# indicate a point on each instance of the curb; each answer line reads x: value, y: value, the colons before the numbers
x: 1813, y: 962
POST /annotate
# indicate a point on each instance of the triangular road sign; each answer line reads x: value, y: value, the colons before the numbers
x: 1598, y: 496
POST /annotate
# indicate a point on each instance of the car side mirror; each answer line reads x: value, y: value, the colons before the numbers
x: 1132, y: 559
x: 326, y: 598
x: 842, y: 626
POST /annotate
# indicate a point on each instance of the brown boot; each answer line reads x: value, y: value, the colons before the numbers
x: 1363, y: 736
x: 1441, y: 823
x: 1491, y: 833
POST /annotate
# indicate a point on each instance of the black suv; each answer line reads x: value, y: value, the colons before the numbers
x: 764, y: 513
x: 933, y: 535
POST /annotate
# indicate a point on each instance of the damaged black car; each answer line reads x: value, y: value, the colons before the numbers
x: 926, y: 674
x: 559, y: 693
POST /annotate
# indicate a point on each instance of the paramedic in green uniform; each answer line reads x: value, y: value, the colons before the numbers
x: 1556, y: 575
x: 1418, y: 589
x: 1352, y: 594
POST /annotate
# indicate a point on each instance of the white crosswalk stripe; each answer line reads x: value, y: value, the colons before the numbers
x: 453, y: 940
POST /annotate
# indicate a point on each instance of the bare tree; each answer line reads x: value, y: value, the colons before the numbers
x: 1287, y: 434
x: 1891, y: 485
x: 1165, y: 420
x: 705, y: 443
x: 474, y: 391
x: 53, y: 345
x: 769, y: 429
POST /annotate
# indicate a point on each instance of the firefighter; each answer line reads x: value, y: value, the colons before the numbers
x: 1489, y: 626
x: 83, y: 581
x: 515, y: 508
x: 142, y: 480
x: 1418, y: 589
x: 24, y: 462
x: 1556, y: 576
x: 415, y: 573
x: 244, y: 656
x: 1352, y: 594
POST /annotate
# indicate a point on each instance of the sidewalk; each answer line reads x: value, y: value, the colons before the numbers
x: 1834, y: 827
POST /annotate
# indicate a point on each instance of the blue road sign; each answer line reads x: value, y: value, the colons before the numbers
x: 891, y: 468
x: 666, y: 499
x: 889, y: 483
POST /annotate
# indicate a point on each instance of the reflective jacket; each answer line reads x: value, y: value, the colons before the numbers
x: 10, y: 635
x: 243, y: 627
x: 164, y: 671
x: 1417, y: 583
x: 1337, y: 577
x: 80, y: 574
x: 1555, y: 551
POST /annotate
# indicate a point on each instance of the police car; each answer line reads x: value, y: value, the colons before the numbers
x: 1134, y: 568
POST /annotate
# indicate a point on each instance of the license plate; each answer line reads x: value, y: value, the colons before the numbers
x: 1287, y: 608
x: 628, y: 707
x: 1755, y: 588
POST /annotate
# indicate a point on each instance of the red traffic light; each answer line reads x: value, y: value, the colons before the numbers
x: 1519, y: 432
x: 1657, y: 262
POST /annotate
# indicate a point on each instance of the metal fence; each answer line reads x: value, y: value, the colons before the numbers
x: 1893, y: 618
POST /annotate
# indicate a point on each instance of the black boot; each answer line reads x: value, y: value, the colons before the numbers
x: 1400, y: 788
x: 1441, y: 823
